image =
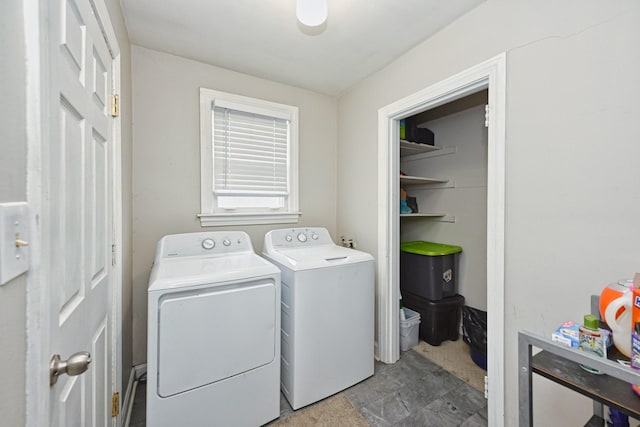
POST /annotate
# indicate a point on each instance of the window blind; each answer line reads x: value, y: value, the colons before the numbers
x: 250, y: 153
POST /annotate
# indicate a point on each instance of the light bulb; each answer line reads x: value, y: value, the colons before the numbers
x: 311, y: 12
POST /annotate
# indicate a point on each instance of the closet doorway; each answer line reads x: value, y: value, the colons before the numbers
x: 490, y: 76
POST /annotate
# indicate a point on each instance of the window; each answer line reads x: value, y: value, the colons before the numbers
x: 249, y: 160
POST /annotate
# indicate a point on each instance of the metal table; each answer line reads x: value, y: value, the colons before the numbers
x: 560, y: 364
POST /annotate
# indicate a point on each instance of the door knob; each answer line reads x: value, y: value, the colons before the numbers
x: 76, y: 364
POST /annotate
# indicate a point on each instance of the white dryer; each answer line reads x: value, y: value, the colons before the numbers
x: 327, y: 313
x: 213, y: 333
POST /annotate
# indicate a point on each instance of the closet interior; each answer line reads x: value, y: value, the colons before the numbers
x: 444, y: 200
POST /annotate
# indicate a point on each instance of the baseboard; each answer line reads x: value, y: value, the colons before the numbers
x: 127, y: 403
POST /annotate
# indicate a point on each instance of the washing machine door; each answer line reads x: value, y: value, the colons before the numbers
x: 208, y: 334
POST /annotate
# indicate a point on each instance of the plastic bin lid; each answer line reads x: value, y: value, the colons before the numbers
x: 421, y: 247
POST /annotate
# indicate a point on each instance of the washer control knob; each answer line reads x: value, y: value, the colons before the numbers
x: 314, y: 236
x: 208, y: 244
x: 288, y: 238
x: 302, y: 237
x: 226, y: 242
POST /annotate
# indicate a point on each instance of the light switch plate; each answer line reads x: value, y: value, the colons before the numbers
x: 14, y: 240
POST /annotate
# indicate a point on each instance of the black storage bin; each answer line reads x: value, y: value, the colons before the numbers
x: 440, y: 320
x: 415, y: 134
x: 428, y: 269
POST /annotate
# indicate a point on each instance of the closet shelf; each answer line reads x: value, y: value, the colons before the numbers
x: 405, y: 179
x: 421, y: 214
x: 407, y: 148
x: 439, y: 217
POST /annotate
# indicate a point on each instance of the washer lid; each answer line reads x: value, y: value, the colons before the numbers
x: 183, y: 272
x: 316, y: 256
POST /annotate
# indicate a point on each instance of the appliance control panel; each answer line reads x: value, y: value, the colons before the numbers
x: 204, y: 244
x: 297, y: 237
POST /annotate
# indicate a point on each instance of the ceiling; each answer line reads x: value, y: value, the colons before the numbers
x: 262, y: 38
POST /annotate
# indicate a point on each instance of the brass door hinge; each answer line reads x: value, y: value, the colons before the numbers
x: 115, y: 106
x: 115, y: 404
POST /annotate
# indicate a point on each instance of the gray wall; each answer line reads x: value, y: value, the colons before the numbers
x: 572, y: 200
x: 13, y: 187
x: 467, y: 168
x: 166, y: 158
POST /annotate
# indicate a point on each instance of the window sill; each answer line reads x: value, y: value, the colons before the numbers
x: 213, y: 220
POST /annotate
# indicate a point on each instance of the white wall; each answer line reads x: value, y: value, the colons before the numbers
x: 572, y: 200
x: 166, y: 158
x: 467, y: 201
x: 13, y: 187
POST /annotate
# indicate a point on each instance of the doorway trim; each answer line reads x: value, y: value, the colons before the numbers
x: 490, y: 75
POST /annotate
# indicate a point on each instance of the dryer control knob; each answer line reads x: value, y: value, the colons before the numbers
x: 226, y: 242
x: 314, y: 236
x: 208, y: 244
x: 302, y: 237
x: 288, y: 238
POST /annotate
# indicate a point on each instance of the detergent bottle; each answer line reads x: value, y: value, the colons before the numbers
x: 613, y: 291
x: 615, y: 309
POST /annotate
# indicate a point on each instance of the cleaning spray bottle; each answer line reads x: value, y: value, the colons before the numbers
x: 592, y: 340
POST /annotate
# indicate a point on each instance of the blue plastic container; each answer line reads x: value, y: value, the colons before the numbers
x: 479, y: 358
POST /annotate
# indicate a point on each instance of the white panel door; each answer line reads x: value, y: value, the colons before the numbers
x: 78, y: 212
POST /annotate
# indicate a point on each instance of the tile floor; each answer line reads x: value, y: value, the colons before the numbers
x: 412, y: 392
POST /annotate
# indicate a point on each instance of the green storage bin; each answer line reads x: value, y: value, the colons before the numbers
x: 429, y: 269
x: 420, y: 247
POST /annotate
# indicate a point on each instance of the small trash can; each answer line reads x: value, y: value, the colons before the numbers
x: 409, y: 329
x: 428, y: 269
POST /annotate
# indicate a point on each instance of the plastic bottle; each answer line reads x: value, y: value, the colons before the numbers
x: 635, y: 353
x: 592, y: 339
x: 635, y: 346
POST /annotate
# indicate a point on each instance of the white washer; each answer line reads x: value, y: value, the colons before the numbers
x: 327, y: 313
x: 213, y: 333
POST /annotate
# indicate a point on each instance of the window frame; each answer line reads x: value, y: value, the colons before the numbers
x: 210, y: 214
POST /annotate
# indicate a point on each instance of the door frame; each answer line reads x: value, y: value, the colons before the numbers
x: 37, y: 55
x: 490, y: 75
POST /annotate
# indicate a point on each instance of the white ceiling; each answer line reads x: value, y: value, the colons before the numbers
x: 263, y: 38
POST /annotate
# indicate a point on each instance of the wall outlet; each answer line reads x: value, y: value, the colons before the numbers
x: 348, y: 243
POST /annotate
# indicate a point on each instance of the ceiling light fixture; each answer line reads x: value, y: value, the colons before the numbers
x: 311, y: 13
